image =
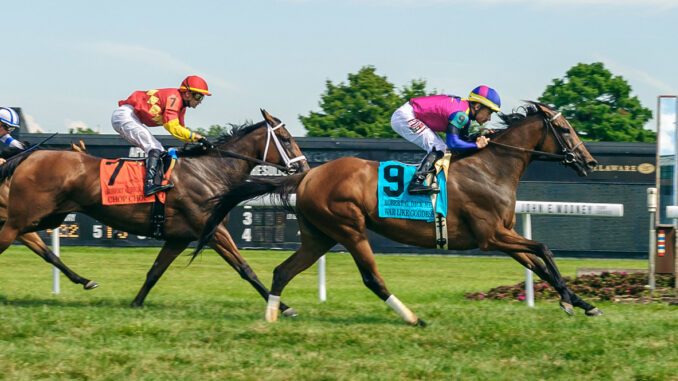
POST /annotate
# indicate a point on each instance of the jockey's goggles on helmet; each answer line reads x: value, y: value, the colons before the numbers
x: 198, y: 97
x: 8, y: 127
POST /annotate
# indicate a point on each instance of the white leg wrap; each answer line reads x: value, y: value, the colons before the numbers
x: 402, y: 310
x: 272, y: 308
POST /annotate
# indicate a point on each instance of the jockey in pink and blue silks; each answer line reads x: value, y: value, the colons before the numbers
x: 420, y: 120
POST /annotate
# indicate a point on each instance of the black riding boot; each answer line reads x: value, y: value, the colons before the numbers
x: 425, y: 167
x: 153, y: 182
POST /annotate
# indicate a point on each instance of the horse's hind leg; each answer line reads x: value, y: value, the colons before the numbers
x: 349, y: 230
x: 313, y: 245
x: 223, y: 244
x: 169, y: 252
x: 35, y: 243
x: 364, y: 258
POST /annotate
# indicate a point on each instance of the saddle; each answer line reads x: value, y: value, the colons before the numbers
x: 122, y: 183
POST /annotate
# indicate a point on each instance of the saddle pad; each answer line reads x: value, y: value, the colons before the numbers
x: 395, y: 202
x: 122, y: 182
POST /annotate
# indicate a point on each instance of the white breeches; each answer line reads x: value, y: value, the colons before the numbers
x: 128, y: 125
x: 414, y: 130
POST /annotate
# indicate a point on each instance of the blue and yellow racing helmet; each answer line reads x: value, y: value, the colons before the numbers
x: 486, y: 96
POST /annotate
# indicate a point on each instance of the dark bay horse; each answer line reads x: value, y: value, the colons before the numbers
x: 32, y: 240
x: 50, y: 184
x: 337, y: 202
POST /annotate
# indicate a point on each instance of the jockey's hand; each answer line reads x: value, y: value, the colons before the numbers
x: 2, y: 161
x: 205, y: 143
x: 482, y: 142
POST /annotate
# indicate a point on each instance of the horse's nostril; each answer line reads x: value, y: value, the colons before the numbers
x: 592, y: 164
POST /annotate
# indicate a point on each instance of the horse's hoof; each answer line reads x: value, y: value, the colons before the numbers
x: 90, y: 285
x: 135, y: 305
x: 290, y: 312
x: 420, y: 323
x: 594, y: 312
x: 567, y: 307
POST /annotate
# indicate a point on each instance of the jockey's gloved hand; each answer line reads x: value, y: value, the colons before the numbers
x: 205, y: 143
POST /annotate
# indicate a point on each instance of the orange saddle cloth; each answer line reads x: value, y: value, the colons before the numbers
x: 122, y: 182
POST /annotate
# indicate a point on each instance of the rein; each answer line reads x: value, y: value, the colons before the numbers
x: 567, y: 157
x: 281, y: 151
x: 247, y: 158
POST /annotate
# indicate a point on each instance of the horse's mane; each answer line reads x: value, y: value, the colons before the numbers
x: 235, y: 132
x: 528, y: 109
x: 507, y: 121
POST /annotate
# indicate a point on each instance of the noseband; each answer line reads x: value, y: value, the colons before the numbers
x: 567, y: 157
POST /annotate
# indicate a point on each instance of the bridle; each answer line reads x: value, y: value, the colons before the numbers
x: 281, y: 150
x: 270, y: 135
x: 567, y: 157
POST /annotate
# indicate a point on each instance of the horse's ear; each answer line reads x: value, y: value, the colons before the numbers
x: 544, y: 108
x: 267, y: 117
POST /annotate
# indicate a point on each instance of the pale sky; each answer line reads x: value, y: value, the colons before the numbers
x: 68, y: 63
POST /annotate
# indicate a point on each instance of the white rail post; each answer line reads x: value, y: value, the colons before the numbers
x: 55, y: 271
x: 322, y: 289
x: 652, y: 208
x: 529, y: 283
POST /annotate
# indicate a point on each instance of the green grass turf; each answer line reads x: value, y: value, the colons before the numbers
x: 204, y: 322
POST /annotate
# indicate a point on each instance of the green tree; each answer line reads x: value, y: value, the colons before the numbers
x: 82, y: 130
x: 214, y: 130
x: 599, y: 104
x: 362, y: 108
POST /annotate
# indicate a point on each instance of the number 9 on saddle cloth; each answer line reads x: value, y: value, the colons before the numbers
x: 396, y: 202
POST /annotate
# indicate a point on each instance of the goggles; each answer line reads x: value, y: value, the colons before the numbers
x: 198, y: 97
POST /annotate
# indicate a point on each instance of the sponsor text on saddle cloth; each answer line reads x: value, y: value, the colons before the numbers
x: 122, y: 182
x: 395, y: 202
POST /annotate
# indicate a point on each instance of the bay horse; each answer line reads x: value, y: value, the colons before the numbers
x: 47, y: 185
x: 337, y: 202
x: 32, y: 240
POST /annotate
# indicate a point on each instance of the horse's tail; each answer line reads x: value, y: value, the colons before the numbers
x: 7, y: 169
x: 250, y: 188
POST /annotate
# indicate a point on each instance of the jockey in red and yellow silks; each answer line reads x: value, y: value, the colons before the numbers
x: 420, y: 120
x: 162, y: 107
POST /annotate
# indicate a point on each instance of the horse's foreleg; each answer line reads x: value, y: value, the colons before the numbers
x: 575, y: 300
x: 223, y: 244
x: 169, y: 252
x: 35, y: 243
x: 524, y: 250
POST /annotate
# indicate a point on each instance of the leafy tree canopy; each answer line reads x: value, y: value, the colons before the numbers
x: 82, y: 130
x: 214, y: 130
x: 599, y: 104
x: 361, y: 108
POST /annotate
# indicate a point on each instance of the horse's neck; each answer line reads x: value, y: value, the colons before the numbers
x: 509, y: 165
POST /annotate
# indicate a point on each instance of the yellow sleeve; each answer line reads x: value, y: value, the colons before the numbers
x: 178, y: 131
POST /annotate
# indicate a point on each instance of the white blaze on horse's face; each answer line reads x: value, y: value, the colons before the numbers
x: 284, y: 156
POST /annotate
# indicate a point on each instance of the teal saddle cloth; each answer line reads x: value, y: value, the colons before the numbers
x: 395, y: 202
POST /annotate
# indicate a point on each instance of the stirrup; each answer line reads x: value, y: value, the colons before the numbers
x: 153, y: 189
x: 423, y: 189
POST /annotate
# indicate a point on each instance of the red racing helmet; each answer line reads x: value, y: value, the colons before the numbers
x: 195, y: 84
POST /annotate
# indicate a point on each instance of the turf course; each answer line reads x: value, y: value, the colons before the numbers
x: 203, y: 322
